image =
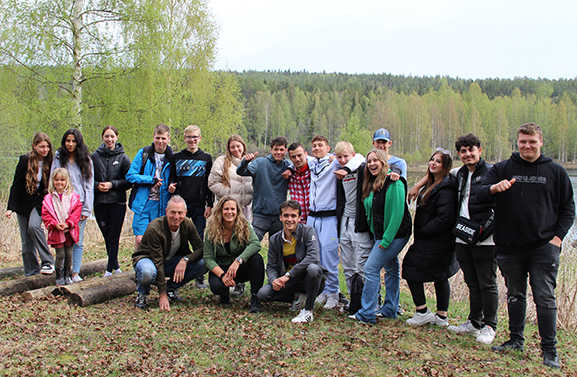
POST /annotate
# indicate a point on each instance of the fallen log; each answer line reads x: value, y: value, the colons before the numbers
x: 95, y: 295
x: 67, y: 290
x: 93, y: 267
x: 40, y: 292
x: 10, y: 272
x: 29, y: 283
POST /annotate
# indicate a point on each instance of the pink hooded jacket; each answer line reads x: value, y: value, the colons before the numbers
x: 50, y: 219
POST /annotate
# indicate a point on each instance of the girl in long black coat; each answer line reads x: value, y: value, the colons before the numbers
x: 431, y: 258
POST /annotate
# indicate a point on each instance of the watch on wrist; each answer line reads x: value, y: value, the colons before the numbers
x: 185, y: 259
x: 288, y: 275
x: 238, y: 260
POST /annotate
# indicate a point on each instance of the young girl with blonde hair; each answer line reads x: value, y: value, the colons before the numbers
x: 61, y: 211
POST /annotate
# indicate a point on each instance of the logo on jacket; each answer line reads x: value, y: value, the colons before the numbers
x: 190, y: 168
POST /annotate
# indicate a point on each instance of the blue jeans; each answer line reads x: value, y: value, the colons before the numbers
x: 379, y: 258
x: 146, y: 271
x: 541, y: 264
x: 78, y: 248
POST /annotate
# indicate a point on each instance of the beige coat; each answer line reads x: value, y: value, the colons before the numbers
x: 240, y: 187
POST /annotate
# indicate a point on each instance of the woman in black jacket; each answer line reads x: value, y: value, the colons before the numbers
x: 431, y: 258
x: 110, y: 167
x: 26, y: 195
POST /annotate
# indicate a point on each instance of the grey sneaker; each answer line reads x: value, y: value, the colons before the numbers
x: 298, y: 302
x: 332, y: 301
x: 141, y: 301
x: 466, y: 328
x: 321, y: 299
x: 487, y: 335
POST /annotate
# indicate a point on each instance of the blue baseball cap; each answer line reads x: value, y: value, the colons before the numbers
x: 382, y: 134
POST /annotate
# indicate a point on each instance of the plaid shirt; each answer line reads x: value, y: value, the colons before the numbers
x: 300, y: 186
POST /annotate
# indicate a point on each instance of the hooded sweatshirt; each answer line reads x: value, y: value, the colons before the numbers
x: 537, y: 207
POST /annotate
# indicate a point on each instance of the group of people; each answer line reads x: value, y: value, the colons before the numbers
x: 192, y: 217
x: 62, y: 189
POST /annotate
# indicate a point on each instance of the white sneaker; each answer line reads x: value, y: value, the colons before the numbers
x: 303, y: 317
x: 76, y: 278
x: 299, y: 302
x: 440, y: 321
x: 465, y: 328
x: 332, y: 301
x: 47, y: 269
x: 321, y: 299
x: 421, y: 319
x: 117, y: 271
x: 106, y: 274
x: 486, y: 336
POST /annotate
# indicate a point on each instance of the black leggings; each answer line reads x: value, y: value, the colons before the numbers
x: 252, y: 270
x: 110, y: 218
x: 442, y: 290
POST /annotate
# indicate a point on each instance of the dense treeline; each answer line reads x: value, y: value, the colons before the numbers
x: 420, y: 112
x: 134, y: 102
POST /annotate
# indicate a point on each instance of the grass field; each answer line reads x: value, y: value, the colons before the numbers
x: 198, y: 337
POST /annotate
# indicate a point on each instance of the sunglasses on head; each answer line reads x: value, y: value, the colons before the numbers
x: 443, y: 151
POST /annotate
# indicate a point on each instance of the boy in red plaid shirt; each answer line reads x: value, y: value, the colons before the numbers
x: 300, y: 180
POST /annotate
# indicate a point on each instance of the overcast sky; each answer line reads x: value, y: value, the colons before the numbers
x: 464, y: 38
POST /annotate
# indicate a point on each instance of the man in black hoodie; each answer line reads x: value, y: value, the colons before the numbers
x: 191, y: 169
x: 534, y: 211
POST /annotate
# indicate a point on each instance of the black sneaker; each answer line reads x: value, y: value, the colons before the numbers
x: 141, y: 301
x: 343, y: 299
x: 254, y: 305
x: 200, y: 284
x: 60, y: 278
x: 550, y: 358
x: 513, y: 345
x: 225, y: 300
x: 238, y: 290
x: 173, y: 295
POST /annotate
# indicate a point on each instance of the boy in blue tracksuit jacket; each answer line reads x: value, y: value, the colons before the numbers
x: 323, y: 214
x: 150, y: 181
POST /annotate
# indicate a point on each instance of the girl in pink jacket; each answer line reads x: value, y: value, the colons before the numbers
x: 61, y: 211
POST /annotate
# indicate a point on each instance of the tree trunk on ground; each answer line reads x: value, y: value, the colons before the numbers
x: 39, y: 281
x: 9, y: 272
x: 67, y: 290
x: 40, y: 292
x: 95, y: 295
